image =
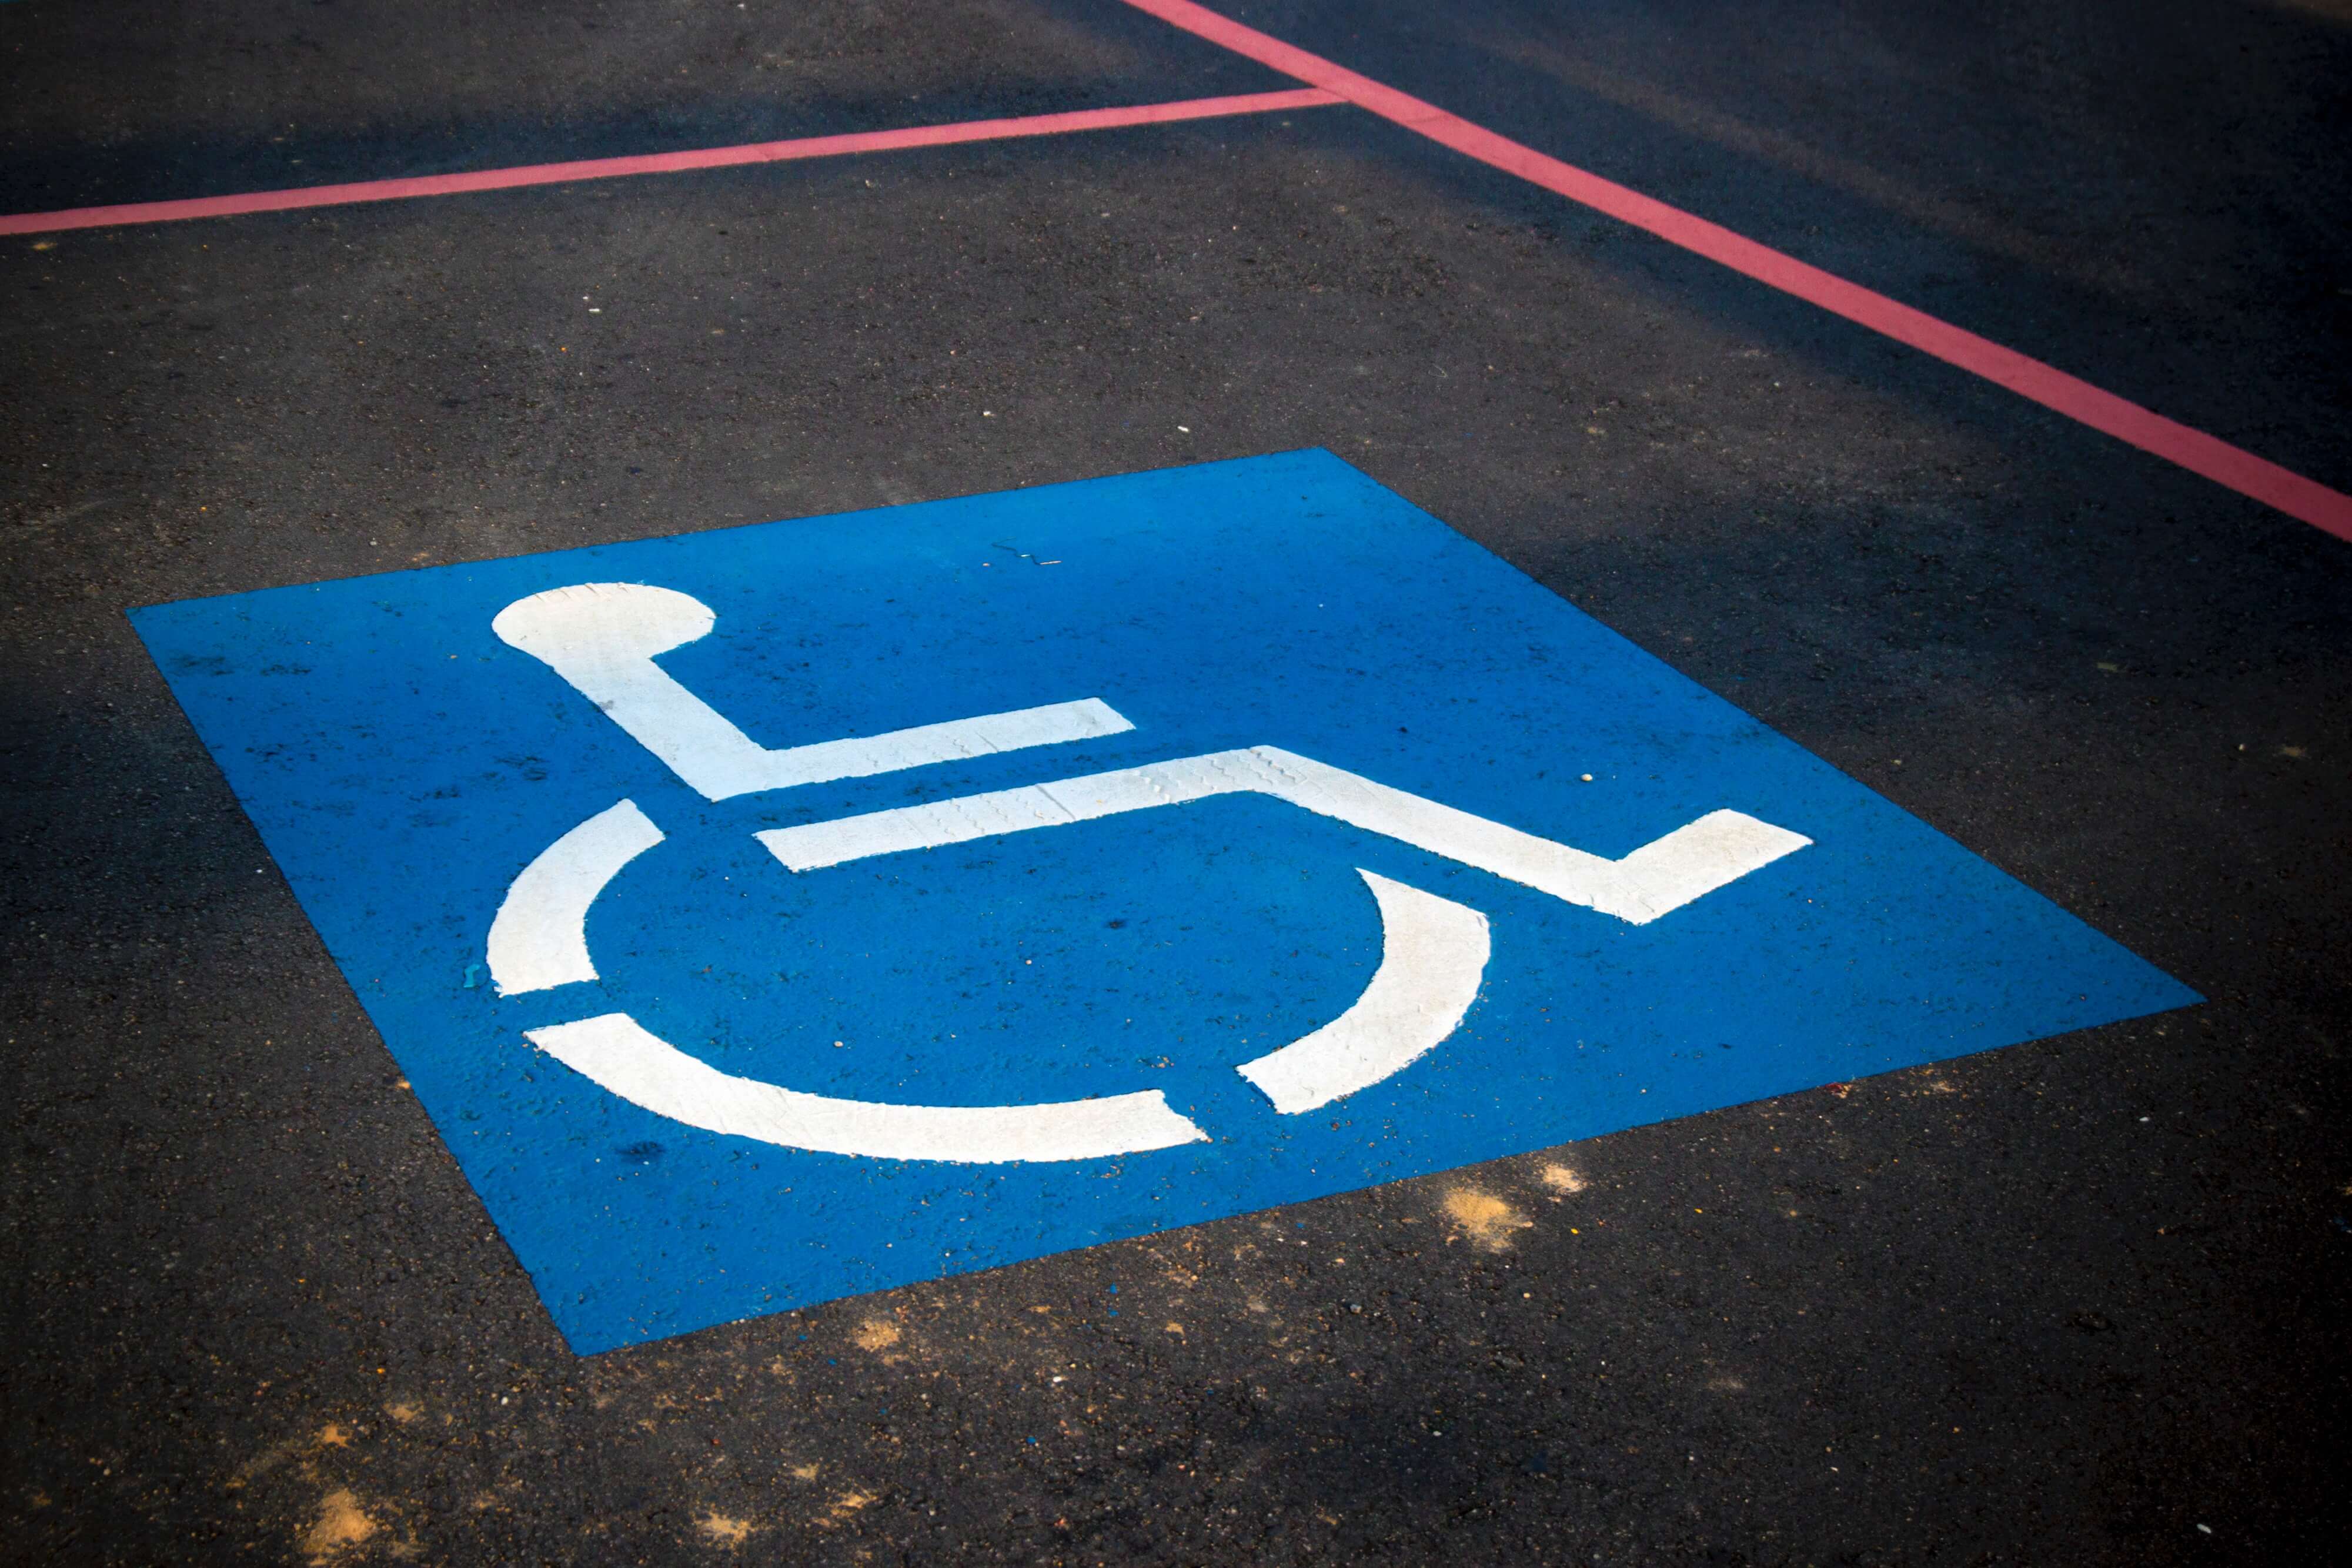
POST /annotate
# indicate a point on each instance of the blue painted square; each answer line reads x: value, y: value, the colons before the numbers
x: 405, y: 764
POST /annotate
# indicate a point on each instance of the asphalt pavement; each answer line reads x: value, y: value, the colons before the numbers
x: 2076, y: 1301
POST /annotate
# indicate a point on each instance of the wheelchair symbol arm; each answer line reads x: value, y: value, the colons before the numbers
x: 1654, y: 880
x: 601, y: 637
x: 615, y: 1051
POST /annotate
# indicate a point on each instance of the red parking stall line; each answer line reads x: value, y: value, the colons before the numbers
x: 2231, y: 466
x: 663, y: 162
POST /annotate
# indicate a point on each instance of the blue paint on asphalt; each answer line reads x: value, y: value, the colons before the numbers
x: 404, y: 764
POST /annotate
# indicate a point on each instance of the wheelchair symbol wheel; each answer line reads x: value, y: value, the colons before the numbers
x: 602, y: 639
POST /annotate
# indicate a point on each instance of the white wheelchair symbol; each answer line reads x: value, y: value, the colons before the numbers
x: 603, y: 637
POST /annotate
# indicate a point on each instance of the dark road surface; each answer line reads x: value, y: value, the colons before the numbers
x: 2080, y: 1300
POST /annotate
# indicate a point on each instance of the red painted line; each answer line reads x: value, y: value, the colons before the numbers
x: 661, y: 162
x: 2228, y: 465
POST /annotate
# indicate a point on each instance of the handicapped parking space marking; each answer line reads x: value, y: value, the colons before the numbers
x: 601, y: 638
x: 855, y: 916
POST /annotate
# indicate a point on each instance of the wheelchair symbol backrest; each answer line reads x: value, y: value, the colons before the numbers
x: 602, y: 639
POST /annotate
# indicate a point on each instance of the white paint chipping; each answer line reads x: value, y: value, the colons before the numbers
x: 601, y: 638
x: 618, y: 1054
x: 1432, y: 954
x: 1659, y: 877
x: 540, y: 936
